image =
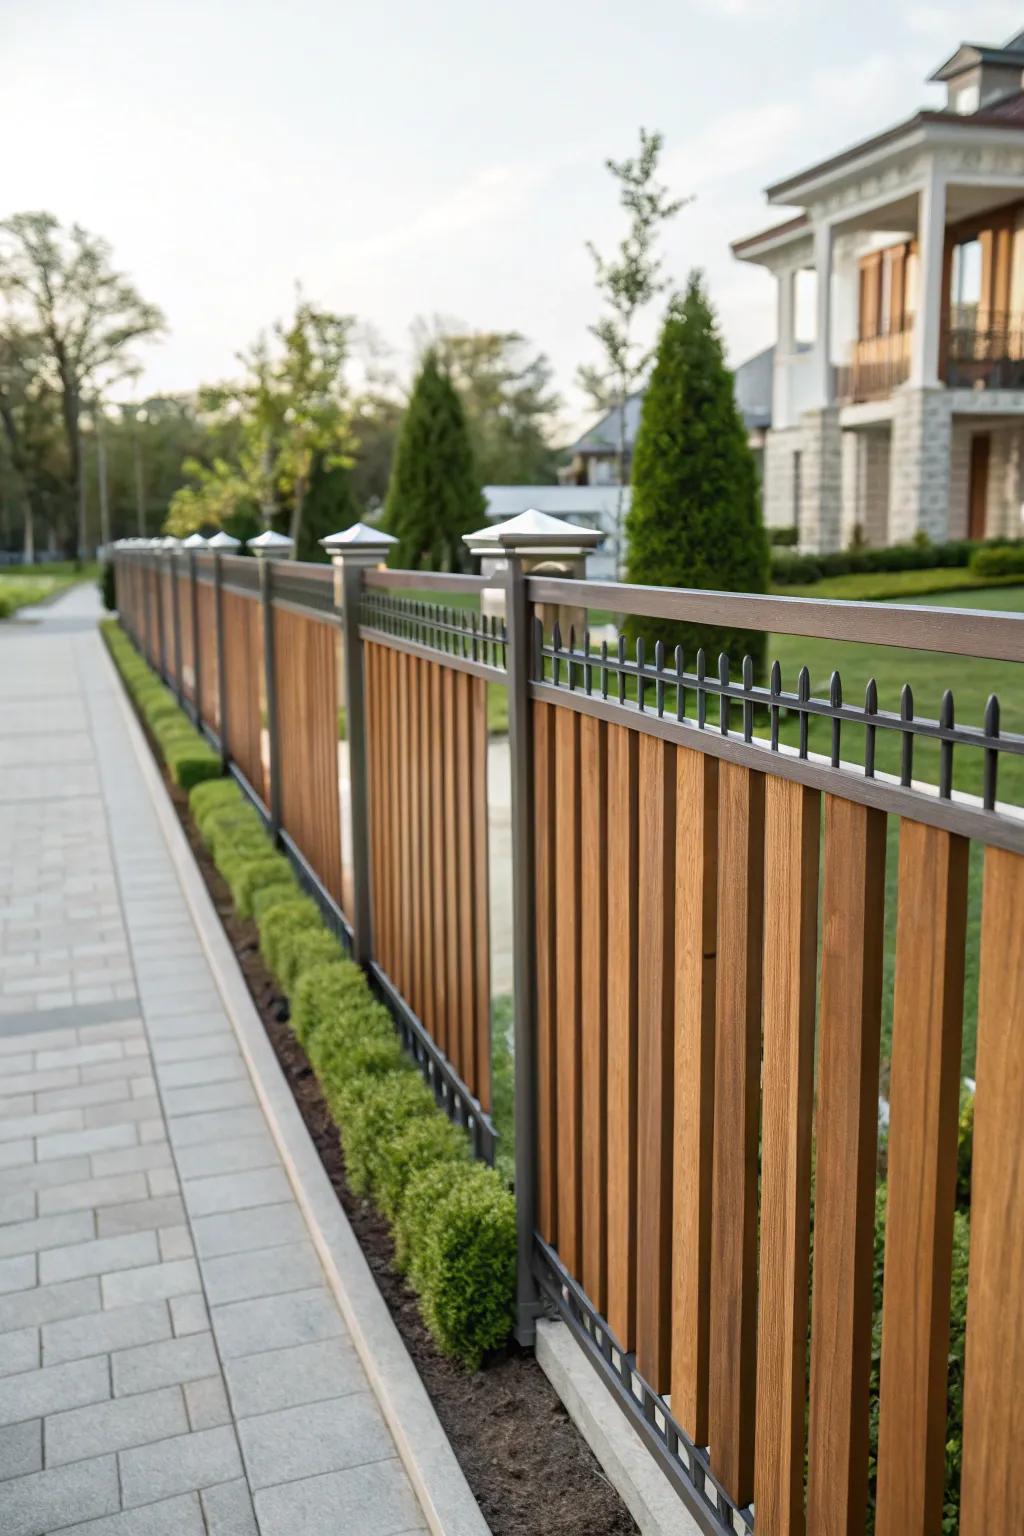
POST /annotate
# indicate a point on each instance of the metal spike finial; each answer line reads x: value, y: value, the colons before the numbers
x: 803, y: 694
x: 835, y: 699
x: 870, y: 730
x: 702, y: 698
x: 991, y: 753
x: 946, y: 722
x: 775, y: 687
x: 723, y: 701
x: 906, y: 736
x: 640, y: 671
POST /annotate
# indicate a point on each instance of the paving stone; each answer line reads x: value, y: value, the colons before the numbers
x: 233, y: 1156
x: 195, y: 1100
x: 190, y: 1461
x: 124, y: 1112
x: 150, y: 1282
x: 44, y: 1502
x: 101, y: 1332
x: 18, y: 1127
x: 339, y: 1501
x: 276, y: 1322
x: 73, y: 1055
x: 236, y: 1191
x: 193, y: 1025
x: 14, y: 1153
x: 163, y: 1003
x: 47, y: 1303
x: 33, y: 1394
x: 45, y: 1233
x: 40, y: 1176
x: 103, y: 1138
x: 264, y: 1272
x: 176, y: 1243
x: 19, y: 1206
x: 132, y: 1160
x: 38, y: 1082
x: 21, y: 1450
x: 19, y: 1351
x: 318, y: 1437
x: 266, y: 1226
x: 98, y: 1257
x: 214, y: 1042
x: 140, y: 1216
x: 126, y: 1069
x: 195, y: 1130
x: 87, y: 1194
x: 171, y: 1517
x: 189, y: 1315
x: 83, y: 1094
x: 163, y: 1181
x: 18, y: 1273
x: 162, y: 1365
x: 228, y: 1510
x: 207, y: 1070
x: 115, y: 1426
x: 207, y: 1403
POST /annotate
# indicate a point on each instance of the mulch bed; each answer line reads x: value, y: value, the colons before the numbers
x: 531, y: 1472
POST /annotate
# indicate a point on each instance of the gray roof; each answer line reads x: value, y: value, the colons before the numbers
x: 752, y: 383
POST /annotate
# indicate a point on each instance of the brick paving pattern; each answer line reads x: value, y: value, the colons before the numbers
x: 171, y: 1359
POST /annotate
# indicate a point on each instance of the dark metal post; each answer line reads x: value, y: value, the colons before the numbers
x: 158, y: 567
x: 352, y: 552
x: 220, y: 544
x: 197, y: 697
x: 265, y: 547
x: 529, y: 535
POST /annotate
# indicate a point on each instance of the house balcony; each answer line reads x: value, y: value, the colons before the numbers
x: 876, y: 367
x: 984, y: 349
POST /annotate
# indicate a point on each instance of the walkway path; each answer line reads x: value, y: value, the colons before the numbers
x: 170, y: 1356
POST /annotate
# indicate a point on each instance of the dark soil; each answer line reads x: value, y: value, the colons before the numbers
x: 531, y: 1472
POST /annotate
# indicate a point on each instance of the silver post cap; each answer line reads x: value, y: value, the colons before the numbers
x: 195, y: 541
x: 225, y: 542
x: 361, y: 540
x: 533, y: 533
x: 271, y: 545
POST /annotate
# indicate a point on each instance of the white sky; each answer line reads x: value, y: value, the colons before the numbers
x: 407, y: 159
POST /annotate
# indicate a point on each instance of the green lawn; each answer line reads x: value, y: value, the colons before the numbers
x: 17, y: 591
x: 899, y: 586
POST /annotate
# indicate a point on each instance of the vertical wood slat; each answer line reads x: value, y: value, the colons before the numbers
x: 622, y: 927
x: 567, y: 985
x: 655, y: 1001
x: 304, y: 660
x: 992, y: 1483
x: 466, y: 883
x: 451, y: 861
x: 792, y: 844
x: 593, y: 1003
x: 185, y: 615
x: 481, y: 896
x: 846, y: 1147
x: 546, y: 920
x: 437, y: 841
x: 425, y: 872
x: 696, y: 887
x: 414, y: 976
x: 389, y: 682
x: 375, y: 782
x: 923, y: 1124
x: 731, y: 1397
x: 243, y: 667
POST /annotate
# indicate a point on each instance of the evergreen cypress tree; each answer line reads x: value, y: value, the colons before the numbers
x: 695, y: 517
x: 433, y: 496
x: 330, y: 506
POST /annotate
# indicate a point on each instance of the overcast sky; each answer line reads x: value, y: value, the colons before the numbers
x: 407, y: 159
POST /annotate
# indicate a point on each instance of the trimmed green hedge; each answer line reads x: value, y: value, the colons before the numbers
x: 790, y: 569
x: 999, y: 560
x: 188, y: 756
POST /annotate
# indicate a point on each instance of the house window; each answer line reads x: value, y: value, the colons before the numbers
x: 965, y: 281
x: 967, y: 99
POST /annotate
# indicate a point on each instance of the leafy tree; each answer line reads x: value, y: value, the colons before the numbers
x: 434, y: 496
x: 627, y: 282
x: 330, y: 506
x: 61, y: 290
x: 695, y: 518
x: 509, y: 404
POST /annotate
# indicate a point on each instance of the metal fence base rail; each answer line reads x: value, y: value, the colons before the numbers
x: 449, y: 1090
x: 684, y: 1464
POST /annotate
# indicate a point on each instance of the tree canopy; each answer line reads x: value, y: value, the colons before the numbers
x: 695, y: 517
x: 434, y: 495
x: 508, y: 401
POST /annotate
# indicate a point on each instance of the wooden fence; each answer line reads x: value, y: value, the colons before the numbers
x: 699, y: 931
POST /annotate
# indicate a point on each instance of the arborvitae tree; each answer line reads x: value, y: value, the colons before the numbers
x: 695, y: 518
x: 330, y: 507
x: 434, y: 496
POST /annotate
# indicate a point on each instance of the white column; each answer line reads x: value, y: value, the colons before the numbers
x: 786, y: 344
x: 931, y: 236
x: 824, y: 390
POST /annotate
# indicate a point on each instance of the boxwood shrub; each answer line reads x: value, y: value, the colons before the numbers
x: 999, y: 560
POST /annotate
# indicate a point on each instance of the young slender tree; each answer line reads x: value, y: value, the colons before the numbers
x: 434, y: 494
x: 627, y: 282
x: 60, y: 287
x: 695, y: 518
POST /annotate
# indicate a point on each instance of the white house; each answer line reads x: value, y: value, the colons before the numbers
x: 906, y: 414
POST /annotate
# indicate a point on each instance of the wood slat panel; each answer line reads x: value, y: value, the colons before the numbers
x: 307, y: 720
x: 451, y: 866
x: 696, y: 938
x: 209, y: 703
x: 187, y: 658
x: 243, y: 655
x: 567, y: 985
x: 593, y: 1003
x: 481, y: 892
x: 404, y: 940
x: 923, y: 1114
x: 414, y: 980
x: 791, y: 851
x: 847, y: 1135
x: 546, y: 918
x: 731, y: 1397
x: 437, y: 842
x: 374, y: 781
x: 992, y: 1485
x: 622, y: 921
x: 466, y: 883
x: 655, y: 1000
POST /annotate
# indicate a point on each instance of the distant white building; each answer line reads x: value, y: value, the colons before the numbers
x: 906, y: 415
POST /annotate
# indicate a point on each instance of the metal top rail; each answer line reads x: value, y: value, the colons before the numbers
x: 428, y: 581
x: 956, y: 631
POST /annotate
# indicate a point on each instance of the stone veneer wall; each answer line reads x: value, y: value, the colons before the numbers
x: 1005, y: 483
x: 919, y: 480
x: 779, y: 482
x: 821, y: 480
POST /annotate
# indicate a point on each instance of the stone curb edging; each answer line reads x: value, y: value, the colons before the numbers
x: 629, y: 1466
x: 445, y: 1496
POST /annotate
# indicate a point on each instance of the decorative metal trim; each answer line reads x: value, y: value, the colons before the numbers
x: 685, y: 1464
x: 456, y: 633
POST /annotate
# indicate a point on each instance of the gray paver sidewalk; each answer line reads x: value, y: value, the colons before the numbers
x: 171, y: 1359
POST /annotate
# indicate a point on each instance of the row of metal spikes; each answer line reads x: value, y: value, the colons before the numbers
x: 476, y: 636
